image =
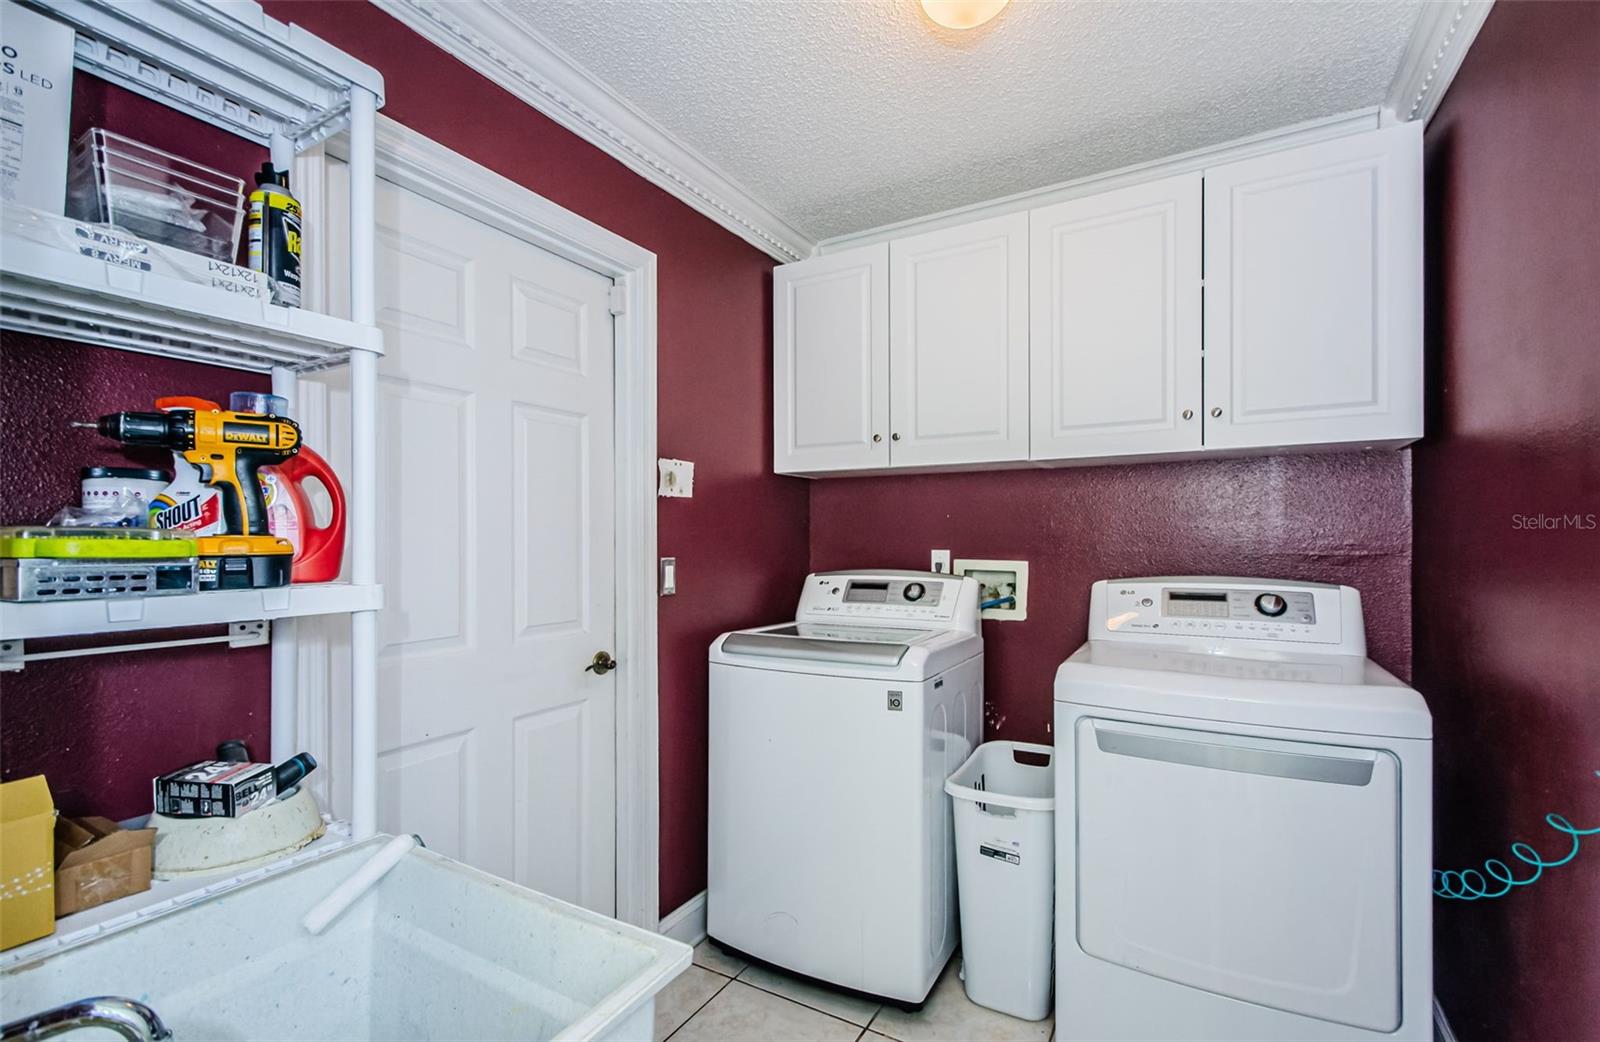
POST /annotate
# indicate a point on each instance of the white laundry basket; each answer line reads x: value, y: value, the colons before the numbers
x: 1005, y: 812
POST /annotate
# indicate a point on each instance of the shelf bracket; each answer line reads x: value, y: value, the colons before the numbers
x: 240, y: 635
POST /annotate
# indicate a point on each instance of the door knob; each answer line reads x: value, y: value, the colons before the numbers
x: 1188, y: 414
x: 603, y: 663
x: 894, y: 437
x: 1216, y: 411
x: 877, y: 437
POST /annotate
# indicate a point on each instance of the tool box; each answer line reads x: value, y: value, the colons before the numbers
x: 56, y: 564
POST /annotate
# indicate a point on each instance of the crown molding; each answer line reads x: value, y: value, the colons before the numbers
x: 1439, y: 41
x: 515, y: 57
x: 1306, y: 133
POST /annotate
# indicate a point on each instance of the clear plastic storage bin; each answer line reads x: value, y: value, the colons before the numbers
x: 155, y: 195
x: 1004, y: 803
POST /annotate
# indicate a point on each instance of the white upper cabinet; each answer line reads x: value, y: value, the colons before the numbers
x: 1313, y: 328
x: 1115, y: 325
x: 958, y: 344
x: 830, y: 374
x: 1267, y: 305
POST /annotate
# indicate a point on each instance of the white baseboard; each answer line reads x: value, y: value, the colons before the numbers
x: 687, y: 923
x: 1441, y: 1026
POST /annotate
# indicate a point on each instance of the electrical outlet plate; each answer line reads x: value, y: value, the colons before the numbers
x: 993, y: 574
x: 677, y: 478
x: 939, y: 561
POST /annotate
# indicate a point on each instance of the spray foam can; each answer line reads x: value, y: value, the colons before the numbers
x: 274, y: 233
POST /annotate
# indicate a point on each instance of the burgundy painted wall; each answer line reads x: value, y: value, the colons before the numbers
x: 741, y: 541
x: 1506, y: 646
x: 100, y: 728
x: 1334, y: 518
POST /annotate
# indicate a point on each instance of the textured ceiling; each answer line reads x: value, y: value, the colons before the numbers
x: 842, y: 115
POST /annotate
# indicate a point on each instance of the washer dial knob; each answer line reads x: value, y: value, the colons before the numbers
x: 914, y: 591
x: 1271, y: 605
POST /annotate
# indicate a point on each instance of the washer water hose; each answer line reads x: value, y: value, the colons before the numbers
x: 1470, y: 884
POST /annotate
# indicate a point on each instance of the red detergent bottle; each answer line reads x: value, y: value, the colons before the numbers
x: 318, y: 548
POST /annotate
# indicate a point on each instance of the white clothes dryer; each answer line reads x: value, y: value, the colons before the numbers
x: 1243, y: 820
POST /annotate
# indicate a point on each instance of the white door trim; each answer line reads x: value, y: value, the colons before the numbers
x: 434, y: 172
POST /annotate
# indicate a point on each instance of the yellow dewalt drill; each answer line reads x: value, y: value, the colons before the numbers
x: 229, y: 448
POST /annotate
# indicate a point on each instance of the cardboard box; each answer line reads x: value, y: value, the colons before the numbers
x: 27, y: 861
x: 215, y: 789
x: 35, y: 103
x: 97, y: 861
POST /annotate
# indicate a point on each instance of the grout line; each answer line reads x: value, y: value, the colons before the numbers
x: 802, y: 1005
x: 801, y: 1002
x: 726, y: 980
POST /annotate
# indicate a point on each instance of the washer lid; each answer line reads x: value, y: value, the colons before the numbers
x: 861, y: 645
x: 1337, y: 693
x: 824, y: 649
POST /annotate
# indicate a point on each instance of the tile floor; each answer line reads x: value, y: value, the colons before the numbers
x: 720, y: 999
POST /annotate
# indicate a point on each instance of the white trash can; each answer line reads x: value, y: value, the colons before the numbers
x: 1005, y: 811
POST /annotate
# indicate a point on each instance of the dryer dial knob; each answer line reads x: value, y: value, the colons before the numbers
x: 914, y: 591
x: 1271, y: 605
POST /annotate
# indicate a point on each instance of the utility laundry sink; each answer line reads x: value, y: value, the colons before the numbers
x: 436, y: 950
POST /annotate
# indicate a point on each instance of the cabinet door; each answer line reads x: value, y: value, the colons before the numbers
x: 1313, y: 322
x: 958, y: 344
x: 830, y: 372
x: 1115, y: 325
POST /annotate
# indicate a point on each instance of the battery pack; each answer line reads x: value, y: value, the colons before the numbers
x: 51, y: 579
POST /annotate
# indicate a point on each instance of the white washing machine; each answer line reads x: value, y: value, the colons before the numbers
x: 1244, y: 823
x: 831, y: 852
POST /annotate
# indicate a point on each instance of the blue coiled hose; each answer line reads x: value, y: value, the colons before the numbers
x: 1472, y: 885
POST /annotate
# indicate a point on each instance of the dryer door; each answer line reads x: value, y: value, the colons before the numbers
x: 1259, y: 869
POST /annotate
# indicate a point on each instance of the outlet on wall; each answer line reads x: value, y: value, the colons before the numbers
x: 939, y: 561
x: 677, y: 478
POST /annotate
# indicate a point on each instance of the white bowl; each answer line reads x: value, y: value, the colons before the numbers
x: 189, y: 846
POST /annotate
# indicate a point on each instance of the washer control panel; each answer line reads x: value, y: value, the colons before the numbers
x: 893, y: 591
x: 1235, y: 609
x: 935, y: 600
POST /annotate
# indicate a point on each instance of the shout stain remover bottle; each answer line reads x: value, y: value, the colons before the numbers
x: 274, y: 232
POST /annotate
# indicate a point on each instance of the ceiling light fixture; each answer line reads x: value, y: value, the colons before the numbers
x: 962, y: 14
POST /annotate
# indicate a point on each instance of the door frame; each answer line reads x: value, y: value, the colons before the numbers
x: 427, y: 168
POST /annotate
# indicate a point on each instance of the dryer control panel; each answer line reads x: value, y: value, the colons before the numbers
x: 1212, y: 609
x: 930, y: 600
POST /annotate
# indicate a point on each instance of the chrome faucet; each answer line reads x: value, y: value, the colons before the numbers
x: 134, y: 1021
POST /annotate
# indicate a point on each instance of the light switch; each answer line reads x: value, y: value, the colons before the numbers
x: 669, y: 576
x: 677, y: 478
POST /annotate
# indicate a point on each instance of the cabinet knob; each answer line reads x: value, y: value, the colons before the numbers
x: 894, y: 437
x: 1216, y: 411
x: 1188, y: 414
x: 877, y: 437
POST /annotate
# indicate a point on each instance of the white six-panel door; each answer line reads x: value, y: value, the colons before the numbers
x: 830, y: 339
x: 1314, y: 294
x: 958, y: 344
x: 496, y: 538
x: 1115, y: 328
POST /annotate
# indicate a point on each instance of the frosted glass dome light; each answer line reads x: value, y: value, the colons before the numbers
x: 962, y: 14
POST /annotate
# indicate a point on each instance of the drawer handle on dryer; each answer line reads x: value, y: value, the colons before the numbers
x: 1241, y: 758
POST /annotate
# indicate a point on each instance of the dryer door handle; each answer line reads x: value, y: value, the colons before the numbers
x: 1239, y: 753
